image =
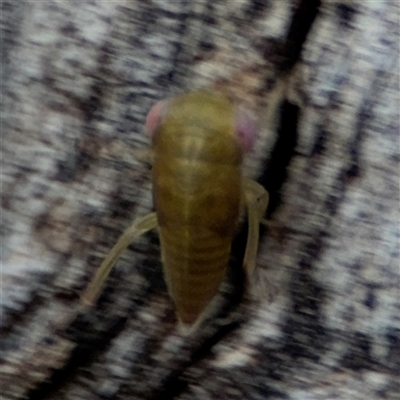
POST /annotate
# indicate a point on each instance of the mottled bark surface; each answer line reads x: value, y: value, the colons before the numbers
x: 77, y: 81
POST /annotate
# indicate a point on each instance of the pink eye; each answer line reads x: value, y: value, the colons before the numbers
x: 154, y: 117
x: 246, y: 129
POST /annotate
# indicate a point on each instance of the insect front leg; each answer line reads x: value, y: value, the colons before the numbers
x: 138, y: 228
x: 256, y: 200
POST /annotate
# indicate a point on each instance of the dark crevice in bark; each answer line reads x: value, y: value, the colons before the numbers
x: 275, y: 173
x: 302, y: 21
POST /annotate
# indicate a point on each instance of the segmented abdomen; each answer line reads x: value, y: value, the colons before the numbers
x: 197, y: 204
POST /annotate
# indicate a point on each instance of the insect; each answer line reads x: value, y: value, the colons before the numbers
x: 198, y: 143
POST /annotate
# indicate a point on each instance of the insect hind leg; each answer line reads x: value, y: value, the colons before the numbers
x: 256, y: 200
x: 139, y: 227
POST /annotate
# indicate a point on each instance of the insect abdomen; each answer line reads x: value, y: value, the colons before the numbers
x: 196, y: 230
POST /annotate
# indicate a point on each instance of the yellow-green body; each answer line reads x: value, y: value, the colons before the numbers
x: 197, y: 186
x: 198, y: 141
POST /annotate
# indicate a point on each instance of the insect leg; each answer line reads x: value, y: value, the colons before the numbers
x: 138, y: 228
x: 256, y: 199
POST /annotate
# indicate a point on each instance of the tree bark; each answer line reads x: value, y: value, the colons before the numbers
x: 77, y: 81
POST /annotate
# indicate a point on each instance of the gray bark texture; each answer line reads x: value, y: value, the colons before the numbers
x: 78, y: 78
